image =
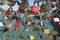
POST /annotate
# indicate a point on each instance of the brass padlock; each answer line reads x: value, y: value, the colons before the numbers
x: 32, y: 37
x: 9, y: 2
x: 8, y: 25
x: 44, y: 17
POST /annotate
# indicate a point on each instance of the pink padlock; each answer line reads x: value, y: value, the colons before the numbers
x: 49, y: 16
x: 28, y: 23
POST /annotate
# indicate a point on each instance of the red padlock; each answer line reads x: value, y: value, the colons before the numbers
x: 17, y: 24
x: 52, y: 5
x: 35, y: 9
x: 9, y: 12
x: 20, y: 10
x: 49, y: 16
x: 57, y: 5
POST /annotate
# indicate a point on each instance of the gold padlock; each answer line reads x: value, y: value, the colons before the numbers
x: 32, y: 37
x: 55, y: 33
x: 8, y: 25
x: 9, y: 3
x: 44, y: 17
x: 47, y: 31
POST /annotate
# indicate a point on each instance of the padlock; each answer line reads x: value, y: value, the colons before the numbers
x: 52, y: 5
x: 21, y: 9
x: 49, y: 16
x: 35, y: 9
x: 41, y: 24
x: 56, y: 19
x: 57, y: 5
x: 44, y: 17
x: 10, y: 2
x: 46, y: 31
x: 6, y: 18
x: 28, y: 23
x: 18, y: 24
x: 32, y: 24
x: 32, y: 37
x: 8, y: 12
x: 8, y: 25
x: 55, y: 33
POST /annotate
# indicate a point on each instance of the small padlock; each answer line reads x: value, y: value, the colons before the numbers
x: 46, y: 31
x: 32, y: 37
x: 44, y: 17
x: 6, y: 18
x: 56, y: 19
x: 8, y: 25
x: 32, y: 24
x: 41, y: 24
